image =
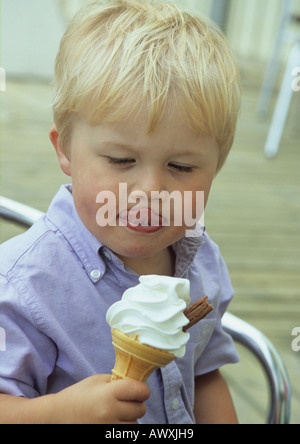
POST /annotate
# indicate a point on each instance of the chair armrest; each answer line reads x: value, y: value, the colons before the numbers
x: 18, y: 213
x: 272, y: 363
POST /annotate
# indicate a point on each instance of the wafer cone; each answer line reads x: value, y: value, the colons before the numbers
x: 135, y: 360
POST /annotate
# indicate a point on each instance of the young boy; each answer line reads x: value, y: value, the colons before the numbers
x: 147, y: 96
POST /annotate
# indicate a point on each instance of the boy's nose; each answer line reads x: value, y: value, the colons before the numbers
x: 148, y: 181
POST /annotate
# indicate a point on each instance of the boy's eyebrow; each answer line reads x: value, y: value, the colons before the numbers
x: 133, y: 148
x: 119, y: 145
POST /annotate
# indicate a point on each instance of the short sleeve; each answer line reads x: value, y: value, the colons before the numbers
x: 220, y: 349
x: 28, y: 356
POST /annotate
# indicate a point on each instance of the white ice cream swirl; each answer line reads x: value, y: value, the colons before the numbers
x: 154, y: 311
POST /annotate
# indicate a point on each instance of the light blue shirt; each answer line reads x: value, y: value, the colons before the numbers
x: 57, y: 283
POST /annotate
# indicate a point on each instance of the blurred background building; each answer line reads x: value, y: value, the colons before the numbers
x: 254, y: 209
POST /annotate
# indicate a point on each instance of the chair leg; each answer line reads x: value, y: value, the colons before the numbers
x: 283, y: 105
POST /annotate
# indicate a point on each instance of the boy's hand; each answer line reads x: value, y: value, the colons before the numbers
x: 96, y: 400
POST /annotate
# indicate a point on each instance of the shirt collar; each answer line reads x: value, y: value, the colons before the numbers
x: 187, y: 248
x: 62, y: 213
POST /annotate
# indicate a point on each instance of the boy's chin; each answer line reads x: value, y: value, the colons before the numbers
x: 127, y: 243
x: 138, y: 251
x: 143, y: 247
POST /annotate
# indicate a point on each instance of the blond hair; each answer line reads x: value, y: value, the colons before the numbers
x: 119, y: 56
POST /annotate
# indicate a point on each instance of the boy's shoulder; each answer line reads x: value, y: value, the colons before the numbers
x: 28, y: 249
x: 41, y: 245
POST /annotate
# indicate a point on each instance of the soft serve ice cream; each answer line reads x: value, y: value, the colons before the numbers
x: 154, y: 310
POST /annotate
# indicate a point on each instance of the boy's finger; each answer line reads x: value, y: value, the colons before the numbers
x: 131, y: 411
x: 129, y: 390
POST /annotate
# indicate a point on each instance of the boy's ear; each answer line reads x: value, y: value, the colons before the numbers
x: 64, y: 162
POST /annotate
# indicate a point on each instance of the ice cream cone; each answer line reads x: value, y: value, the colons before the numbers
x: 135, y: 360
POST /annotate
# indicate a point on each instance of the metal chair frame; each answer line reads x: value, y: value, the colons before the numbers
x: 241, y: 331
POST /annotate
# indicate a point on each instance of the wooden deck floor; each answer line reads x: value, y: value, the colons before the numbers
x: 253, y: 214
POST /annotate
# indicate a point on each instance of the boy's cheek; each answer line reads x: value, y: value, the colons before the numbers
x: 85, y: 203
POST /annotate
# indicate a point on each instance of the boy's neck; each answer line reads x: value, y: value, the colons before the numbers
x: 161, y: 264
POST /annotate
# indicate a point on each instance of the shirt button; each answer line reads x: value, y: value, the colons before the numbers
x: 95, y: 274
x: 175, y: 404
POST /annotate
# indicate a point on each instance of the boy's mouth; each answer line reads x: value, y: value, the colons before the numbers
x: 142, y: 220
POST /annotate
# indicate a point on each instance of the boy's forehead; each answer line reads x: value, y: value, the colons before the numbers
x: 119, y: 131
x: 131, y: 135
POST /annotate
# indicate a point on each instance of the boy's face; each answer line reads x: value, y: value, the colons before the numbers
x: 172, y: 158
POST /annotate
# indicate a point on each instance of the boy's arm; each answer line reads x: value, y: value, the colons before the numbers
x: 213, y: 402
x: 94, y: 400
x: 15, y: 410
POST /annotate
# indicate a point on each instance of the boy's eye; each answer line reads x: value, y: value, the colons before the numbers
x: 181, y: 168
x: 121, y: 161
x: 126, y: 162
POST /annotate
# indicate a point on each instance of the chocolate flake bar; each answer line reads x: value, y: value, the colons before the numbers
x: 197, y: 312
